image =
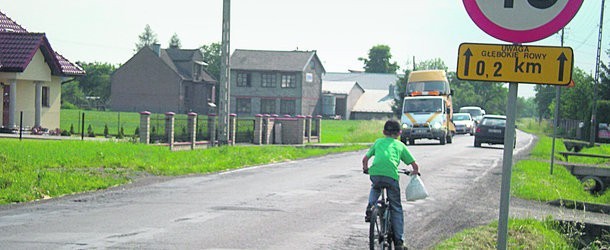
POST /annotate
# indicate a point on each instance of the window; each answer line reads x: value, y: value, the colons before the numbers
x: 267, y: 106
x: 268, y: 81
x: 243, y: 80
x: 289, y: 81
x: 288, y: 107
x: 45, y: 97
x: 244, y: 105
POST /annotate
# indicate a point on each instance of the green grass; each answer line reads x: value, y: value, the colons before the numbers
x: 351, y: 131
x: 98, y: 119
x: 522, y: 234
x: 33, y: 169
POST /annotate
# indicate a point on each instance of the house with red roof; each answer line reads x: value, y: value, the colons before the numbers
x: 31, y: 74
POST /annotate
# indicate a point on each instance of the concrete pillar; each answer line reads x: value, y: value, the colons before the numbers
x: 319, y: 127
x: 12, y: 123
x: 232, y: 128
x: 212, y: 129
x: 300, y: 130
x: 37, y: 103
x: 258, y: 129
x: 266, y: 129
x: 169, y: 129
x: 192, y: 128
x: 308, y: 128
x: 145, y: 127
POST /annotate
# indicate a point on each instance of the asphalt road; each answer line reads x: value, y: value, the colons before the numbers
x: 316, y: 203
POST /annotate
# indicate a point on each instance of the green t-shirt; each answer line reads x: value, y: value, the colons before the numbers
x: 388, y: 153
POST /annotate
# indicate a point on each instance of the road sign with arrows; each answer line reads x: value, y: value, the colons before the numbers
x: 515, y: 63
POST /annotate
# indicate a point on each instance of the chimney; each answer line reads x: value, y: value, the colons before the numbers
x: 156, y: 48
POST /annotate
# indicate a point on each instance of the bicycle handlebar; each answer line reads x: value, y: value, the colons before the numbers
x: 401, y: 171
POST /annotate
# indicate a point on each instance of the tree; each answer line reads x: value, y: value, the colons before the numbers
x: 96, y: 83
x: 174, y: 42
x: 211, y: 55
x: 436, y: 63
x: 379, y: 60
x: 147, y: 38
x: 545, y: 94
x: 71, y: 94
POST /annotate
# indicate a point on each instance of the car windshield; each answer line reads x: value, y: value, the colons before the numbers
x: 423, y: 105
x: 461, y: 118
x: 494, y: 122
x: 473, y: 112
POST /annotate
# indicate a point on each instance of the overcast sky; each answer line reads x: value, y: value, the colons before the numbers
x: 340, y: 31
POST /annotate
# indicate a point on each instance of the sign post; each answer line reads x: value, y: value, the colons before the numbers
x: 517, y: 22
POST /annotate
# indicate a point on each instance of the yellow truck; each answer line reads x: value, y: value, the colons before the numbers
x: 427, y: 109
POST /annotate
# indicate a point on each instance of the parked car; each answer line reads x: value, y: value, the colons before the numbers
x: 491, y: 130
x: 464, y: 124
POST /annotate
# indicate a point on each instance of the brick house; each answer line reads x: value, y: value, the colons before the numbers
x: 31, y: 74
x: 276, y: 82
x: 163, y: 80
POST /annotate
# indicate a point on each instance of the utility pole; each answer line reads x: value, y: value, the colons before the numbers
x: 225, y: 75
x: 597, y: 62
x: 557, y: 102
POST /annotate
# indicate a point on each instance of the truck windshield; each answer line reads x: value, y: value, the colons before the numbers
x: 423, y: 105
x: 439, y: 86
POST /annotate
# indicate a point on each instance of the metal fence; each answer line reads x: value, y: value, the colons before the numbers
x: 244, y: 130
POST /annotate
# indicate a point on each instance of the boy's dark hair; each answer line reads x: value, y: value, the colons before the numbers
x: 391, y: 127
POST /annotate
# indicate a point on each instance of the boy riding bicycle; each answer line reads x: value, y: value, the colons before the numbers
x: 388, y: 152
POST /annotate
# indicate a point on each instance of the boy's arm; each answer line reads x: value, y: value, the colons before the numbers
x: 365, y: 164
x: 415, y: 168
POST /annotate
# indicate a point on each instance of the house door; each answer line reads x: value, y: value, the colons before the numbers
x: 6, y: 105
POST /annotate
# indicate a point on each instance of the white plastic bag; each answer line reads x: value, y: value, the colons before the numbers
x: 416, y: 189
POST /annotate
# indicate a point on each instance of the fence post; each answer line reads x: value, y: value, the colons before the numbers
x: 232, y: 127
x: 212, y: 129
x: 144, y: 127
x: 169, y: 129
x: 258, y: 129
x: 300, y: 129
x: 308, y: 128
x: 319, y: 127
x: 192, y: 128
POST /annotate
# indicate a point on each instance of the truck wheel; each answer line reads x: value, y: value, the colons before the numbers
x: 411, y: 141
x: 443, y: 139
x: 403, y: 139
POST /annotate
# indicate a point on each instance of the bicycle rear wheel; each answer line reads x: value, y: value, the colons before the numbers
x: 377, y: 230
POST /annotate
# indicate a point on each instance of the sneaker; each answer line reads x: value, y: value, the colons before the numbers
x: 367, y: 216
x: 400, y: 245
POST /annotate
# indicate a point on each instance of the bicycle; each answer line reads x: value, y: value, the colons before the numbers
x: 381, y: 235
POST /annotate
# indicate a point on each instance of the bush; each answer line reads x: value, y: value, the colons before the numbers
x: 121, y: 134
x: 90, y: 131
x: 106, y: 130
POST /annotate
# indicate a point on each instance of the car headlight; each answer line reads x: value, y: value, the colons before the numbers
x: 405, y: 126
x: 436, y: 125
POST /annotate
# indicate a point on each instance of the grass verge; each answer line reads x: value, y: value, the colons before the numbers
x: 33, y: 169
x: 522, y: 234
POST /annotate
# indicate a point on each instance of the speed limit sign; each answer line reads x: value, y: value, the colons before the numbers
x: 521, y: 21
